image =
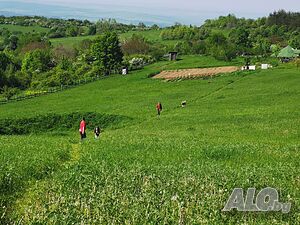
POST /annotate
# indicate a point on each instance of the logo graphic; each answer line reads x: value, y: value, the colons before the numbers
x: 267, y: 200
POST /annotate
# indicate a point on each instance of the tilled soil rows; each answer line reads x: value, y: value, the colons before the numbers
x: 199, y: 72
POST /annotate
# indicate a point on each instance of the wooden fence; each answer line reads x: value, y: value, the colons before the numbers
x: 23, y: 96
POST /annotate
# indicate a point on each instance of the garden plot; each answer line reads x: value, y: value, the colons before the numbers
x: 198, y: 72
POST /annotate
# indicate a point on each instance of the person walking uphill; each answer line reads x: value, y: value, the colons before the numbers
x: 159, y: 108
x: 82, y: 129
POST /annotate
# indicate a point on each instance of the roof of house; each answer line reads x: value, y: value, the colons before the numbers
x: 297, y: 51
x: 288, y: 52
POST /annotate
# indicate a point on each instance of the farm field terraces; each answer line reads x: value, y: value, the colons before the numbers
x: 238, y: 130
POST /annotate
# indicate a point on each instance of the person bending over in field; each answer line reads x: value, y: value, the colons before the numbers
x: 97, y: 132
x: 159, y: 108
x: 82, y: 129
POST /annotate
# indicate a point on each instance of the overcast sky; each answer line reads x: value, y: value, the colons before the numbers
x: 186, y: 11
x: 242, y: 6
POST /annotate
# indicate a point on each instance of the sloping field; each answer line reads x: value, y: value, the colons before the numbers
x: 237, y: 131
x: 203, y: 72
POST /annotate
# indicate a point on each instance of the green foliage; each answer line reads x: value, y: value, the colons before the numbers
x: 297, y: 62
x: 179, y: 33
x: 137, y: 44
x: 295, y: 40
x: 4, y: 61
x: 107, y: 53
x: 283, y: 18
x: 58, y: 123
x: 13, y: 42
x: 37, y: 61
x: 8, y: 92
x: 220, y: 47
x: 240, y: 37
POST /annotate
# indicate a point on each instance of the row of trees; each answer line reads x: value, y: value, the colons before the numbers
x: 58, y: 28
x: 283, y: 18
x: 30, y: 61
x: 229, y: 36
x: 49, y: 67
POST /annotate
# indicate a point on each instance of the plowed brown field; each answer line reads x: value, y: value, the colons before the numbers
x: 199, y: 72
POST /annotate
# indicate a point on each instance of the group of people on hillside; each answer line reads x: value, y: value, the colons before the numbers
x: 159, y: 106
x: 82, y: 130
x: 97, y: 131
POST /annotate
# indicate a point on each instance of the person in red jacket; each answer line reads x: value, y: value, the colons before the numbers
x: 158, y: 108
x: 82, y: 129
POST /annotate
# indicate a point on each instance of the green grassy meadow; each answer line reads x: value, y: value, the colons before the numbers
x: 151, y: 35
x: 238, y: 130
x: 24, y: 29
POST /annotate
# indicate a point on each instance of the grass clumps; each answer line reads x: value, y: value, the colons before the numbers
x: 59, y: 122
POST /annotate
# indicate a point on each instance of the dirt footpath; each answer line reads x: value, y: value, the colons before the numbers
x: 203, y: 72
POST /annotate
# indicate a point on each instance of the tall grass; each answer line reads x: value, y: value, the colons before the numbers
x: 238, y: 130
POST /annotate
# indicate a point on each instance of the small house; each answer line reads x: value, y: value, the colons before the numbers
x: 173, y: 56
x: 288, y: 53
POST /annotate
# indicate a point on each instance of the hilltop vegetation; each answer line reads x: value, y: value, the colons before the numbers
x: 61, y: 50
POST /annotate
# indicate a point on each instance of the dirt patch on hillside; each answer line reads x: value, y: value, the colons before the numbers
x: 199, y: 72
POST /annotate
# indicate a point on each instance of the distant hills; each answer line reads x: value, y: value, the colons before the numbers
x: 14, y: 8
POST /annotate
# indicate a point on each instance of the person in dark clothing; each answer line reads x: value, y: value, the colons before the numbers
x: 97, y: 132
x: 159, y: 108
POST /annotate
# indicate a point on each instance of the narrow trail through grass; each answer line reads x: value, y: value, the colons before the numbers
x: 37, y: 188
x: 75, y: 153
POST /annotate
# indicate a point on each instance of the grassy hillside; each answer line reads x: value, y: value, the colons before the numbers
x: 70, y: 41
x: 23, y: 29
x: 151, y: 35
x: 238, y: 130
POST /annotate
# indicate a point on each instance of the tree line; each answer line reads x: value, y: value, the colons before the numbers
x: 46, y: 66
x: 229, y: 36
x: 29, y: 60
x: 59, y: 28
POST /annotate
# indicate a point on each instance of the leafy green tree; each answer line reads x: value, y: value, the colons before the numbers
x: 2, y: 79
x: 240, y: 37
x: 92, y: 30
x: 262, y: 46
x: 137, y: 44
x: 37, y: 61
x: 217, y: 39
x: 155, y: 27
x: 107, y: 53
x: 295, y: 41
x: 72, y: 31
x: 157, y: 51
x: 141, y: 25
x: 4, y: 61
x: 13, y: 42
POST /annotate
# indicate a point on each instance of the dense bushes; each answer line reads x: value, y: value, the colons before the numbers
x: 283, y: 18
x: 38, y: 68
x: 180, y: 33
x: 57, y: 123
x: 243, y: 36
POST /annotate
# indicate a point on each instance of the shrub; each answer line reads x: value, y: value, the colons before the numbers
x: 8, y: 93
x: 59, y: 122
